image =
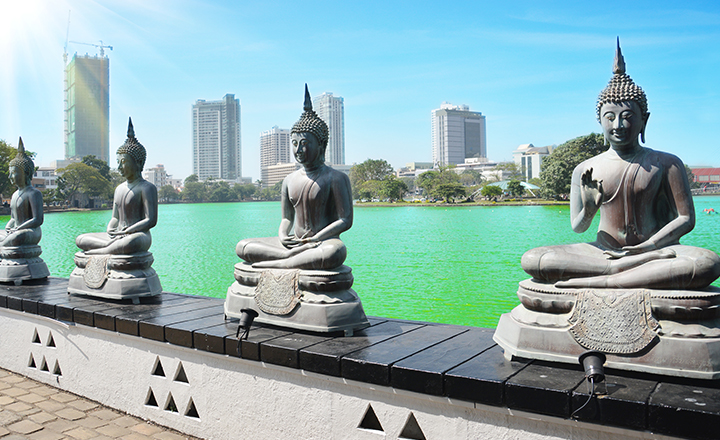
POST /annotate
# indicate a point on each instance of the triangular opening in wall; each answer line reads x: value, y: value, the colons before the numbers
x: 158, y: 368
x: 370, y: 420
x: 170, y: 405
x: 191, y: 410
x: 43, y: 365
x: 57, y: 371
x: 51, y: 341
x: 31, y: 362
x: 36, y: 338
x: 150, y: 400
x: 180, y: 375
x: 412, y: 430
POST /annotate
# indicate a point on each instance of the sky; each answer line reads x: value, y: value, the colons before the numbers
x: 534, y: 69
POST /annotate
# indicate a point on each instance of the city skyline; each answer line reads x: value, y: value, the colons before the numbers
x: 457, y: 134
x: 533, y: 70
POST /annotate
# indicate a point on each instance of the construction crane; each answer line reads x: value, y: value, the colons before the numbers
x: 101, y: 46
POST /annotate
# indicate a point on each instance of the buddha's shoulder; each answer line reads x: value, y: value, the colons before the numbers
x: 662, y: 157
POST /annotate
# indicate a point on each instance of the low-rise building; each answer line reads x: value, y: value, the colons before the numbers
x: 529, y: 159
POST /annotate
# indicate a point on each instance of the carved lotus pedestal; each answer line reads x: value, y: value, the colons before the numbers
x: 314, y: 300
x: 671, y: 332
x: 20, y: 263
x: 115, y: 276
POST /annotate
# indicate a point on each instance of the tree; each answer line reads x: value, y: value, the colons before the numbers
x: 244, y: 191
x: 511, y: 171
x: 471, y: 177
x: 79, y: 178
x: 392, y: 189
x: 369, y: 190
x: 99, y: 164
x: 272, y: 193
x: 691, y: 177
x: 448, y: 191
x: 557, y: 168
x: 193, y: 191
x: 192, y: 178
x: 371, y: 169
x: 168, y: 193
x: 515, y: 188
x: 490, y: 191
x: 7, y: 153
x: 221, y: 192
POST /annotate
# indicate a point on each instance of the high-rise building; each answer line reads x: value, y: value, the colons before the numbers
x: 216, y: 139
x: 274, y: 149
x: 457, y: 134
x: 331, y: 109
x: 87, y: 107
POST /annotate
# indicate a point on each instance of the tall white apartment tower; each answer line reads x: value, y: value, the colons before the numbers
x: 274, y: 149
x: 216, y: 139
x: 457, y: 134
x: 331, y: 109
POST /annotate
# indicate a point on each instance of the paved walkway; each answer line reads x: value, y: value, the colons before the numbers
x: 32, y: 410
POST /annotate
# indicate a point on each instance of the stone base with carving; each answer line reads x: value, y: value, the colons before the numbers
x: 20, y: 263
x: 313, y: 300
x: 114, y: 276
x: 670, y: 332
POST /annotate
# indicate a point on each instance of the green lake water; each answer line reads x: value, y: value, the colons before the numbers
x: 456, y: 265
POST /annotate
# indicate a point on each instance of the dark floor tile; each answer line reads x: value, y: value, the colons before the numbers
x: 482, y: 379
x: 685, y: 411
x: 285, y: 350
x: 372, y: 364
x: 543, y: 389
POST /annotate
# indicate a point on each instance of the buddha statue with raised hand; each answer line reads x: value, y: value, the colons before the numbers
x: 19, y: 240
x: 120, y: 255
x: 293, y: 277
x: 635, y: 293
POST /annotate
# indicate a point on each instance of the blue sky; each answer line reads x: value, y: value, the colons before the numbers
x: 533, y: 68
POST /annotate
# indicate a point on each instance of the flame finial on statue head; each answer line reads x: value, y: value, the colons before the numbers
x: 309, y: 122
x: 622, y: 88
x: 23, y: 161
x: 133, y: 147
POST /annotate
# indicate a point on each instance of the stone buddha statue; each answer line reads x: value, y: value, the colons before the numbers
x: 297, y: 278
x: 19, y: 240
x: 645, y: 207
x: 635, y: 287
x: 316, y: 203
x: 120, y: 255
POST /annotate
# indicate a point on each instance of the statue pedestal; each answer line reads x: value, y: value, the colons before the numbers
x: 20, y: 263
x: 114, y: 276
x: 681, y: 329
x: 313, y: 300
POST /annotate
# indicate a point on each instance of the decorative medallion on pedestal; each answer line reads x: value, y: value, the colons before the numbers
x: 298, y: 279
x: 116, y: 264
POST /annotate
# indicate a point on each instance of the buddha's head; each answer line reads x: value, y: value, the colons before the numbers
x: 21, y: 167
x: 622, y: 107
x: 309, y: 135
x: 131, y: 155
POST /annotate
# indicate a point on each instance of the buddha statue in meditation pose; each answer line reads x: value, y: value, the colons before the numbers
x: 19, y: 240
x: 116, y: 263
x: 134, y: 207
x: 635, y: 293
x: 297, y: 279
x: 645, y: 207
x: 316, y: 203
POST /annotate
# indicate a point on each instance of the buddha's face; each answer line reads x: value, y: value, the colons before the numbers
x: 622, y: 123
x: 127, y: 166
x: 305, y: 148
x: 17, y: 176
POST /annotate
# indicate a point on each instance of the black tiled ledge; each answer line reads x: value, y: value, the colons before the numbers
x: 457, y: 362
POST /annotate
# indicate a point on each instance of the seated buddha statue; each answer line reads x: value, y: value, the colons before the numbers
x: 316, y: 204
x: 116, y: 264
x: 134, y: 210
x: 645, y: 208
x: 26, y: 205
x: 297, y: 279
x: 19, y: 240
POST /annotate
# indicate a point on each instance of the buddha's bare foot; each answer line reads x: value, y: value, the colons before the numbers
x: 101, y: 251
x: 284, y: 263
x: 596, y: 282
